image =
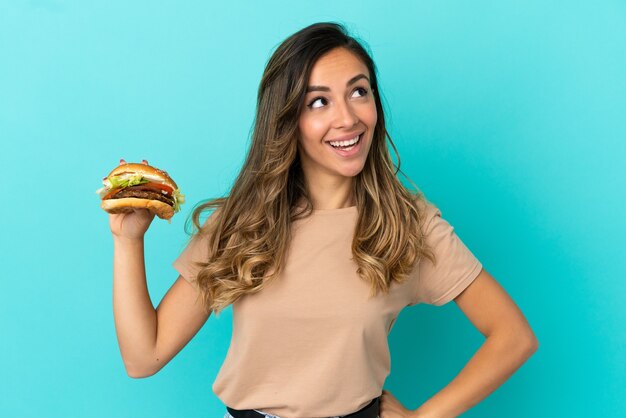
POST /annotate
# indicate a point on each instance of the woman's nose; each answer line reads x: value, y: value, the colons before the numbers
x: 345, y: 116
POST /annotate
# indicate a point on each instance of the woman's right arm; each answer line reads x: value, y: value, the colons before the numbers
x: 148, y: 338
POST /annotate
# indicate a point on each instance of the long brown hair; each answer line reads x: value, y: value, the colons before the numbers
x: 249, y: 232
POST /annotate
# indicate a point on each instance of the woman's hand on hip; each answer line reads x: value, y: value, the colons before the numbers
x: 390, y: 407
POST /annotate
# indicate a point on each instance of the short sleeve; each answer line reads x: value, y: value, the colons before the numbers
x: 455, y: 266
x: 197, y: 250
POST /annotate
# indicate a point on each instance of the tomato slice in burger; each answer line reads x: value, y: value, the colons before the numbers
x: 111, y: 193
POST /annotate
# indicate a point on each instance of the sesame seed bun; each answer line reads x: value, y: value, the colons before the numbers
x: 147, y: 171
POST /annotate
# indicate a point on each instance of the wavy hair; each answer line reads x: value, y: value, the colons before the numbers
x: 249, y: 231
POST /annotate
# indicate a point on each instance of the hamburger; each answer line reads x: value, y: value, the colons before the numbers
x: 140, y: 185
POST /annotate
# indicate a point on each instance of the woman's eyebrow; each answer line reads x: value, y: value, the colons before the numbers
x: 351, y: 81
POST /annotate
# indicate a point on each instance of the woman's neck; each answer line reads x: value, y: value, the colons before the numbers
x: 329, y: 204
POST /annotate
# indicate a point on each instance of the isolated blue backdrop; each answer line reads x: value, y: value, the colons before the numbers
x: 508, y: 115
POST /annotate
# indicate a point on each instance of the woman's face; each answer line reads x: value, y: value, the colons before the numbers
x: 339, y: 106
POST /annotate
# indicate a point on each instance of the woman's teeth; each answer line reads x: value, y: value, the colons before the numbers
x: 345, y: 144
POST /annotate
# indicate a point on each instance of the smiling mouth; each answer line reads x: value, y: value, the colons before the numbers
x: 350, y: 144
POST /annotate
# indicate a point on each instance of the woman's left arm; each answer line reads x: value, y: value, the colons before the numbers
x: 509, y: 343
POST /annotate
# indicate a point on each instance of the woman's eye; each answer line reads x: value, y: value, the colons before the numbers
x: 362, y: 90
x: 314, y: 101
x: 312, y: 104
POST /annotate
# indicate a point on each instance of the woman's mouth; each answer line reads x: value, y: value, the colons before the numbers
x: 346, y: 148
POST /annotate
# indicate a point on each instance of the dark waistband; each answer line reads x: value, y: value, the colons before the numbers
x: 371, y: 410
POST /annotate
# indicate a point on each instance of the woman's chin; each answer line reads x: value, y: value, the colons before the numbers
x: 351, y: 172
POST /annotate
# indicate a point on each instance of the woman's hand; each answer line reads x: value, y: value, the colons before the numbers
x: 132, y: 225
x: 390, y: 407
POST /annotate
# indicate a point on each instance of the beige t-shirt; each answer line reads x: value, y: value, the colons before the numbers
x: 312, y: 344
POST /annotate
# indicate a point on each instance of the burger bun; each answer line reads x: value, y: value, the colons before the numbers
x: 128, y: 204
x: 146, y: 171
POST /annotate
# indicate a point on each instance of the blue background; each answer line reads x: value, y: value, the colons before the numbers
x: 508, y: 115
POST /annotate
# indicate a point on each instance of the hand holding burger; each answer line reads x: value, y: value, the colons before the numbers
x: 140, y: 186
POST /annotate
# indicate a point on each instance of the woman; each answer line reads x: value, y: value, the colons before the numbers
x: 318, y: 247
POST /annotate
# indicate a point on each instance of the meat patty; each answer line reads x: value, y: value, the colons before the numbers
x: 143, y: 194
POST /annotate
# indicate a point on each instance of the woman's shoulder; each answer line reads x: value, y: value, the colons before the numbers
x: 427, y: 208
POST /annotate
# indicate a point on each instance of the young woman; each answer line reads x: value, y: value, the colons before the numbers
x: 318, y: 247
